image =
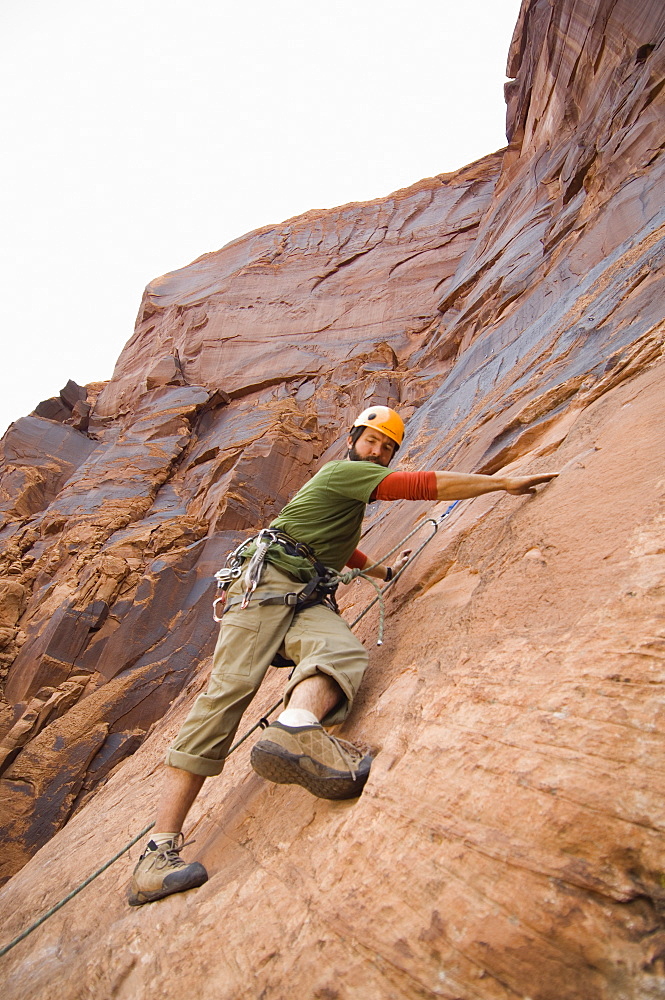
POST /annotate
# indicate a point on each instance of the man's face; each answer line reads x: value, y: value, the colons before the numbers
x: 371, y: 446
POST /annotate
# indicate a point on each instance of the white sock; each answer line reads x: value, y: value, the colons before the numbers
x: 295, y: 717
x: 162, y: 838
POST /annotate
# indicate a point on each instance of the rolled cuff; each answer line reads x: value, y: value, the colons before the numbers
x: 203, y: 766
x: 339, y: 713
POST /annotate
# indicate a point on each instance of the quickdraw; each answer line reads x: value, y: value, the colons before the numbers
x: 226, y: 576
x: 254, y: 571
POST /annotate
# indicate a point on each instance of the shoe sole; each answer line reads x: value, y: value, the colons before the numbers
x: 276, y: 764
x: 139, y: 898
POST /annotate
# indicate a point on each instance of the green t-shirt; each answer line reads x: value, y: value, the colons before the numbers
x: 327, y: 514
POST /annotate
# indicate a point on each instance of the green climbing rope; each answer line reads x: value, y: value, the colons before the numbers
x: 263, y: 721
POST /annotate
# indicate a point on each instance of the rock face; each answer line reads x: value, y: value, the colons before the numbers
x: 509, y: 841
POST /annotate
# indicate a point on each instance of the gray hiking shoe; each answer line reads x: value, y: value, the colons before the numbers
x: 309, y: 756
x: 161, y: 871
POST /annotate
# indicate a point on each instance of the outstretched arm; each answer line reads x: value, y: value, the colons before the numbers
x: 462, y: 486
x: 452, y: 485
x: 441, y: 486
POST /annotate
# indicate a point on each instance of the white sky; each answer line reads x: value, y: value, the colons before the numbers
x: 137, y: 135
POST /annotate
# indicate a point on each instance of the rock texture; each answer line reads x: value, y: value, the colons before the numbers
x: 509, y: 841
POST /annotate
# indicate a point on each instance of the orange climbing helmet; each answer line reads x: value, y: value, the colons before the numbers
x: 383, y: 419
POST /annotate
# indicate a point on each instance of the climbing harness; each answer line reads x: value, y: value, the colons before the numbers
x: 319, y: 589
x: 225, y: 576
x: 322, y: 585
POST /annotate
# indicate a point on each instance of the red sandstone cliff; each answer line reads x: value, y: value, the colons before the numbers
x: 509, y: 842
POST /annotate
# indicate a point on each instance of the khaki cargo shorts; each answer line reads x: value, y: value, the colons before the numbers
x: 316, y: 639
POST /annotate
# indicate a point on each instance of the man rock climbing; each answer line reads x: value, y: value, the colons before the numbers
x: 279, y: 604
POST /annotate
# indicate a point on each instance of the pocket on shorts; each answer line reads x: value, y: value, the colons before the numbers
x: 238, y: 647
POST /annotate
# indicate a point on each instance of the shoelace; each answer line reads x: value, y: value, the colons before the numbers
x: 352, y: 755
x: 171, y: 855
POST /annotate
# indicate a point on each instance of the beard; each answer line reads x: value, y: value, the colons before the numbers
x: 353, y: 456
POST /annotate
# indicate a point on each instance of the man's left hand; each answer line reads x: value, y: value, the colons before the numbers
x: 519, y: 485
